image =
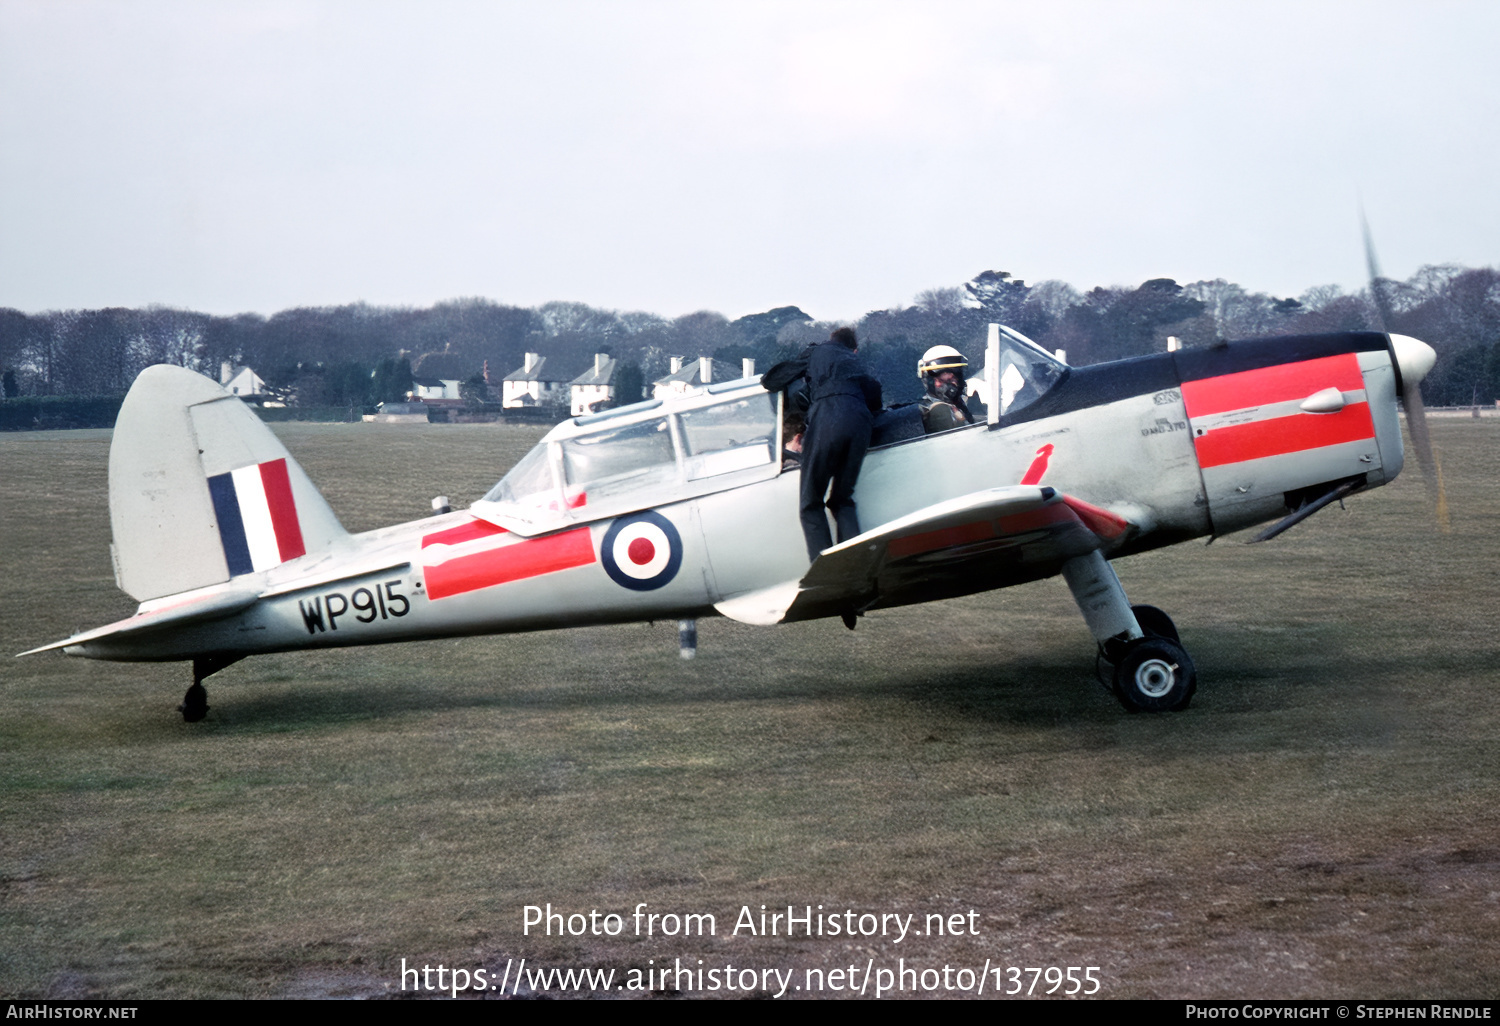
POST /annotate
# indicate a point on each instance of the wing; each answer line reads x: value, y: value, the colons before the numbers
x: 988, y: 539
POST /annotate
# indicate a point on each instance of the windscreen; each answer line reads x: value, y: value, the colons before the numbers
x: 530, y: 484
x: 1026, y: 371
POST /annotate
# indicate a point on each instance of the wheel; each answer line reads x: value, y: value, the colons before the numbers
x: 1155, y: 675
x: 194, y: 704
x: 1155, y: 623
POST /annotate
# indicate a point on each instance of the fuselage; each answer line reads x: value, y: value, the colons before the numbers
x: 1181, y: 445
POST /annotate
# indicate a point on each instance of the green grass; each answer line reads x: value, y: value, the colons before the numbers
x: 1318, y: 824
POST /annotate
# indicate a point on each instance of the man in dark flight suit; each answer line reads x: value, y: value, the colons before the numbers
x: 843, y: 400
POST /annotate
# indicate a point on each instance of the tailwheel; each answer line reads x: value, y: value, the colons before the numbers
x: 194, y: 704
x: 1154, y: 674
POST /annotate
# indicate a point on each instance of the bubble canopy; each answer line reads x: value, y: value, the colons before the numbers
x: 640, y: 456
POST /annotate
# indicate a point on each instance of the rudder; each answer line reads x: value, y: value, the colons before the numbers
x: 201, y: 491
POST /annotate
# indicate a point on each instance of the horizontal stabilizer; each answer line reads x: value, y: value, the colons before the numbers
x: 209, y: 604
x: 987, y: 539
x: 220, y: 601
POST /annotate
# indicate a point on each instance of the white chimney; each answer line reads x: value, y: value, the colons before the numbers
x: 226, y: 371
x: 1172, y: 344
x: 705, y: 368
x: 599, y: 359
x: 676, y: 364
x: 531, y: 362
x: 747, y: 368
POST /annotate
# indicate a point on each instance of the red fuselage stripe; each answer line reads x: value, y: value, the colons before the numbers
x: 1278, y: 384
x: 506, y: 563
x: 1283, y: 435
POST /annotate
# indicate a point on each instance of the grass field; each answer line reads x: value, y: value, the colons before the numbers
x: 1321, y: 822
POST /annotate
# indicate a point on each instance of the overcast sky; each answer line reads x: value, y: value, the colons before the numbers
x: 673, y: 157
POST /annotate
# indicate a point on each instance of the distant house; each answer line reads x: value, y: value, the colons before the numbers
x: 684, y: 375
x: 436, y: 377
x: 241, y: 381
x: 443, y: 365
x: 594, y: 388
x: 438, y: 391
x: 532, y: 384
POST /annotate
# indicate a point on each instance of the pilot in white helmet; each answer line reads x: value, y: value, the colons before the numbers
x: 942, y: 369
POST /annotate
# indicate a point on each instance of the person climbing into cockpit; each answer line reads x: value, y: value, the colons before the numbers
x: 942, y: 370
x: 842, y: 401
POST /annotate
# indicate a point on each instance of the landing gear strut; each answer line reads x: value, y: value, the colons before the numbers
x: 1151, y: 670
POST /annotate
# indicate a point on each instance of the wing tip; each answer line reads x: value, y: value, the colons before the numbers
x: 45, y: 648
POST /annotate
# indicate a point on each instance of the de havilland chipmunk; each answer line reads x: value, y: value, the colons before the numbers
x: 684, y: 507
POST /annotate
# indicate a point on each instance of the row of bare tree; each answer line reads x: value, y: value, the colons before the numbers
x: 355, y: 353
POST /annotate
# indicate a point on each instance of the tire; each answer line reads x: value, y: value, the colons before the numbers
x: 194, y: 704
x: 1155, y: 623
x: 1155, y: 675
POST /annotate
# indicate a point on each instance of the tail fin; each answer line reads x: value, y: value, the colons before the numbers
x: 201, y: 491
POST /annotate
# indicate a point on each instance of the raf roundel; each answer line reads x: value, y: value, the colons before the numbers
x: 642, y: 552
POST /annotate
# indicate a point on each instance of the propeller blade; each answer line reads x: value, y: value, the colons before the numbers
x: 1377, y: 284
x: 1421, y: 442
x: 1413, y: 360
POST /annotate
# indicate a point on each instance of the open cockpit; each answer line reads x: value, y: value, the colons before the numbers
x: 722, y: 436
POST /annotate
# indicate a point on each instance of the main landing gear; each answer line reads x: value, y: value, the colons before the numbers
x: 1149, y: 670
x: 195, y: 703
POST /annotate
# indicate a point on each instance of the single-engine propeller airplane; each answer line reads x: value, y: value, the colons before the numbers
x: 682, y: 507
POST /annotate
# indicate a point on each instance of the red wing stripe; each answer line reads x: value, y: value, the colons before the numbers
x: 1036, y: 519
x: 278, y: 485
x: 946, y: 538
x: 462, y: 533
x: 978, y: 531
x: 530, y: 558
x: 1277, y: 384
x: 1282, y: 435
